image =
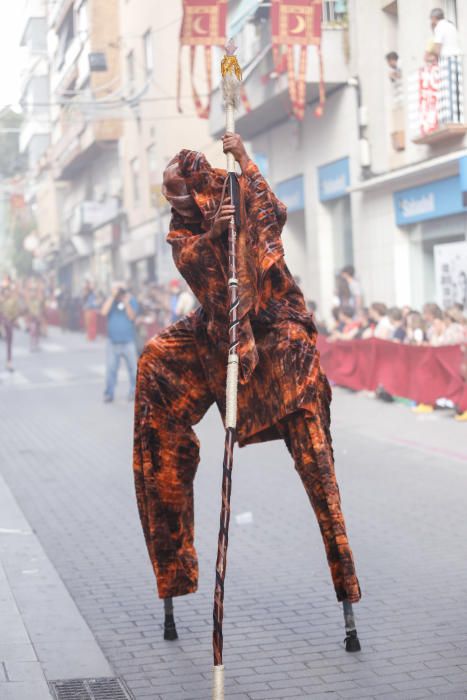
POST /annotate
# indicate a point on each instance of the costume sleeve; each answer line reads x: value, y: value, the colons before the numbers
x: 259, y: 190
x: 202, y: 262
x: 267, y: 215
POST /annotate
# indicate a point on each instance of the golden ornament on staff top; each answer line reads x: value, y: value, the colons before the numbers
x: 229, y: 64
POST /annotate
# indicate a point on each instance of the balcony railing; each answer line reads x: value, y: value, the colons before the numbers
x: 58, y: 11
x: 90, y: 215
x: 436, y: 101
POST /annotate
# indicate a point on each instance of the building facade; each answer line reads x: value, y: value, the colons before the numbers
x: 153, y: 130
x: 71, y: 132
x: 365, y: 183
x: 35, y: 127
x: 85, y: 130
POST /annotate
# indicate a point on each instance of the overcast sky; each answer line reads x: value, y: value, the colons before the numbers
x: 10, y: 27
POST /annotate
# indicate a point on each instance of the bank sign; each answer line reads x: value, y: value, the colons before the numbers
x: 432, y: 201
x: 333, y: 179
x: 292, y: 193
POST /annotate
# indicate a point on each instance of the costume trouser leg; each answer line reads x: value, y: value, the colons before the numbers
x: 309, y: 441
x: 171, y: 397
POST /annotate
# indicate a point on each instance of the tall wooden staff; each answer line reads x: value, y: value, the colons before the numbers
x: 231, y: 84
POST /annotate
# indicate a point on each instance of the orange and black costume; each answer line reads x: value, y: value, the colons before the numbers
x: 283, y: 392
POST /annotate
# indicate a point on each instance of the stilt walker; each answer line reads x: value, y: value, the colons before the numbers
x: 231, y: 84
x: 225, y: 234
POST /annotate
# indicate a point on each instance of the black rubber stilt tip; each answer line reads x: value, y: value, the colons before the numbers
x: 352, y: 643
x: 170, y: 631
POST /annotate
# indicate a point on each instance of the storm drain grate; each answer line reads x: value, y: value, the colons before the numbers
x: 90, y: 689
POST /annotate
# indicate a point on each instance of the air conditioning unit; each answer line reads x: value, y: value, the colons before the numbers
x: 97, y: 62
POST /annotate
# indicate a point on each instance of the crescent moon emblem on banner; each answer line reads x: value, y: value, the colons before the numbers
x: 197, y: 26
x: 300, y: 26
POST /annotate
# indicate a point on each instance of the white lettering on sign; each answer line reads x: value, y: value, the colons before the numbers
x: 335, y: 186
x: 419, y: 206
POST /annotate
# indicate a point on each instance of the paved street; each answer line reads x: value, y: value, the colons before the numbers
x: 66, y: 457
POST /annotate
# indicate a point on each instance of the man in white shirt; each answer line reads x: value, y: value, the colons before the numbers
x: 446, y: 42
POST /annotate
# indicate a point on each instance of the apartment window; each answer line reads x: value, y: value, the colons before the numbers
x: 335, y: 13
x: 135, y: 179
x: 153, y: 174
x: 152, y: 162
x: 65, y: 37
x: 130, y: 70
x: 148, y: 53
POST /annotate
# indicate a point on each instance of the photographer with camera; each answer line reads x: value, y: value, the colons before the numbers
x: 120, y: 309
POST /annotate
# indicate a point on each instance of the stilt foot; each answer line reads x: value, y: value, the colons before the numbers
x: 170, y: 631
x: 352, y: 643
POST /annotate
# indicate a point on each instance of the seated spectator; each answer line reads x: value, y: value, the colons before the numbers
x: 415, y: 329
x: 429, y: 311
x: 397, y: 321
x: 455, y: 328
x: 383, y: 327
x: 337, y: 325
x: 367, y: 326
x: 312, y: 307
x: 437, y: 328
x: 348, y: 325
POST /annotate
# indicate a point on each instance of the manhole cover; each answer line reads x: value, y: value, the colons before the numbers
x: 90, y: 689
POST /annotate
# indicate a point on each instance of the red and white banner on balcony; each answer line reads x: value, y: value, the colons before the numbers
x: 298, y: 23
x: 203, y: 24
x: 429, y: 83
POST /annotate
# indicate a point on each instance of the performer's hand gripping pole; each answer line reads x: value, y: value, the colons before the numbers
x: 231, y: 81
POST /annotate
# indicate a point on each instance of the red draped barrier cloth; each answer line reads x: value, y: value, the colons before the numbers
x: 421, y: 373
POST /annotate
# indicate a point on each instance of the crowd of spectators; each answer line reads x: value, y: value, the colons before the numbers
x: 354, y: 320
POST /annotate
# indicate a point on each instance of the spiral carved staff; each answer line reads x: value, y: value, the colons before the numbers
x: 231, y: 84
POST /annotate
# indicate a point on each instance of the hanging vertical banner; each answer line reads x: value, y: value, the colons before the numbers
x: 429, y: 98
x: 203, y: 24
x: 298, y: 23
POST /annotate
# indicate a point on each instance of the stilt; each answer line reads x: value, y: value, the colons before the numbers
x: 351, y: 640
x: 170, y: 631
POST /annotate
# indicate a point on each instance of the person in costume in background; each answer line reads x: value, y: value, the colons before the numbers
x: 282, y: 393
x: 35, y: 306
x: 10, y: 310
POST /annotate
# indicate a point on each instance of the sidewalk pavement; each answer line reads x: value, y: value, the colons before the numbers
x: 44, y: 637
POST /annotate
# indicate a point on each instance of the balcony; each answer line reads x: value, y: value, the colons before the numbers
x: 436, y: 102
x: 66, y: 71
x: 90, y: 215
x: 31, y: 128
x: 267, y: 91
x: 34, y: 36
x: 58, y: 12
x: 80, y: 142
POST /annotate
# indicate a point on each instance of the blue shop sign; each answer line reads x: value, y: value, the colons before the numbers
x: 463, y: 178
x: 334, y: 179
x: 292, y: 193
x: 432, y: 201
x: 262, y: 161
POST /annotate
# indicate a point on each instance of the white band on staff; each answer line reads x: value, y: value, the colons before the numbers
x: 218, y: 685
x: 231, y: 392
x: 233, y: 280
